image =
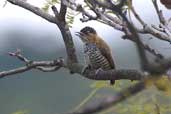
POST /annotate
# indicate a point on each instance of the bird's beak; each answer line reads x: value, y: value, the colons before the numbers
x: 80, y: 34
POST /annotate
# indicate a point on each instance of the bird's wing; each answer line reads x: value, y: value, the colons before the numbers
x: 105, y: 51
x: 107, y: 54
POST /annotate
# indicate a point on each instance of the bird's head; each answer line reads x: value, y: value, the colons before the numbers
x: 87, y: 34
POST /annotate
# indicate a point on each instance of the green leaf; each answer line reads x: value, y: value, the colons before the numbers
x: 99, y: 84
x: 46, y: 7
x: 21, y: 112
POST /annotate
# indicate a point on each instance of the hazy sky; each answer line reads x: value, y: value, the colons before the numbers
x: 11, y: 12
x: 12, y: 16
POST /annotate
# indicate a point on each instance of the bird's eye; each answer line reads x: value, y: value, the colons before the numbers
x: 88, y: 31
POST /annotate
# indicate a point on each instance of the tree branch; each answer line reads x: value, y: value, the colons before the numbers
x: 33, y: 9
x: 63, y: 11
x: 66, y: 34
x: 45, y: 66
x: 30, y: 66
x: 137, y: 16
x: 159, y: 12
x: 162, y: 35
x: 146, y: 47
x: 112, y: 100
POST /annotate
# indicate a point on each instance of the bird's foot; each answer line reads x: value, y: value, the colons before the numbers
x: 87, y: 67
x: 112, y: 82
x: 98, y: 70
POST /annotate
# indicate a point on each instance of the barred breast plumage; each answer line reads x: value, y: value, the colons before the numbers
x: 95, y: 58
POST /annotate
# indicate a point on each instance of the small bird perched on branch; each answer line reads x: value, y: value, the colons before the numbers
x: 97, y: 50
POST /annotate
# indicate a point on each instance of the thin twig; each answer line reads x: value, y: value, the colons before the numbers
x: 30, y: 66
x: 159, y: 12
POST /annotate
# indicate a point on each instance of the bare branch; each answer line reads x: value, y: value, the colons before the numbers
x: 163, y: 22
x: 55, y: 11
x: 29, y: 66
x: 19, y: 55
x: 63, y: 11
x: 159, y: 68
x: 66, y: 34
x: 146, y: 47
x: 153, y: 51
x: 137, y: 16
x: 158, y: 28
x: 157, y: 34
x: 119, y: 74
x: 112, y: 100
x: 48, y: 69
x: 159, y: 13
x: 45, y: 66
x: 33, y: 9
x: 149, y: 30
x: 79, y: 8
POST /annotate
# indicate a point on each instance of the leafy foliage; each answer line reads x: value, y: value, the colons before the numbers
x: 49, y: 3
x: 162, y: 83
x: 70, y: 13
x: 70, y: 17
x: 156, y: 99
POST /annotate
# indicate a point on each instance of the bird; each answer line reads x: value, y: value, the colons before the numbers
x: 97, y: 50
x: 95, y: 59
